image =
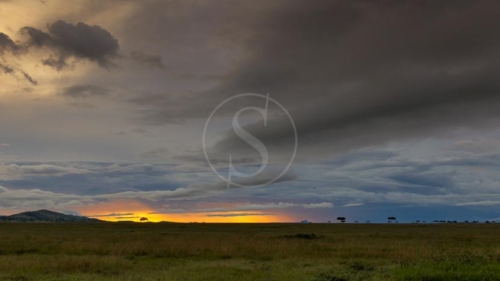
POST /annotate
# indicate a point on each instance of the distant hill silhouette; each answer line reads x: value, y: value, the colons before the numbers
x: 45, y: 216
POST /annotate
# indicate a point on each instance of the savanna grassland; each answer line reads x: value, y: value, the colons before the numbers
x: 259, y: 252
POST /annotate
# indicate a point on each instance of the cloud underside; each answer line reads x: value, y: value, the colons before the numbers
x: 30, y: 174
x: 355, y: 180
x: 358, y: 73
x: 80, y: 41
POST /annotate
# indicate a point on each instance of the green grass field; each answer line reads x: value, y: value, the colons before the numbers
x: 259, y: 252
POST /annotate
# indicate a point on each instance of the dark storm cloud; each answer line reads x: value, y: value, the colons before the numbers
x: 80, y: 41
x: 148, y: 60
x: 360, y: 73
x: 37, y: 37
x: 58, y: 64
x: 6, y: 43
x: 351, y: 73
x: 66, y: 41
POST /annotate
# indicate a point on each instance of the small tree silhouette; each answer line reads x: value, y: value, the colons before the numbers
x: 341, y: 219
x: 144, y: 219
x: 391, y: 219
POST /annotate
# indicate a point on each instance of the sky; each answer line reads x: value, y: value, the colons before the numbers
x: 251, y: 111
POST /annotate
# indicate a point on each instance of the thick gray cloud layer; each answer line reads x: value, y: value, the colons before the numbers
x: 355, y: 73
x: 359, y: 73
x: 462, y: 175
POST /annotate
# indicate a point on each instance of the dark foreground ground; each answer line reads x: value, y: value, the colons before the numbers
x: 259, y: 252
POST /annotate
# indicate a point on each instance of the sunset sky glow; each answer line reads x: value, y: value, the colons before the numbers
x: 105, y: 104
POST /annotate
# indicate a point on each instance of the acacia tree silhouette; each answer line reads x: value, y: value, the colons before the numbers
x: 144, y: 219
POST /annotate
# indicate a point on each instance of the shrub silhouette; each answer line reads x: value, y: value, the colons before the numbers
x: 303, y: 236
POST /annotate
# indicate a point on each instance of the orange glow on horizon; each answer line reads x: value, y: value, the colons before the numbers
x: 131, y: 210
